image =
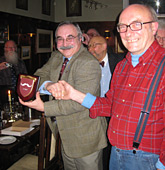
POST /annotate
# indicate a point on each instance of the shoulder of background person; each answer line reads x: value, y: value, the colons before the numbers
x: 117, y: 56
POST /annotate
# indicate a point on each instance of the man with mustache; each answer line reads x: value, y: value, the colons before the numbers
x: 9, y: 59
x: 83, y: 138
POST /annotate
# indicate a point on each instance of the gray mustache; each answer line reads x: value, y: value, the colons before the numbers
x: 66, y: 47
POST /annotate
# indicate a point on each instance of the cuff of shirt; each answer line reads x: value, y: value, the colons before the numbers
x: 88, y: 100
x: 42, y: 89
x: 159, y: 165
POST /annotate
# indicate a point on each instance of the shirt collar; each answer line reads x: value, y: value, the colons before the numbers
x: 68, y: 58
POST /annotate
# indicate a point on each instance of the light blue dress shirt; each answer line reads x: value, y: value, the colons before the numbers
x: 105, y: 77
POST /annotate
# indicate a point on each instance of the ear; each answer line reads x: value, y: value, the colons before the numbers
x: 104, y: 46
x: 154, y: 27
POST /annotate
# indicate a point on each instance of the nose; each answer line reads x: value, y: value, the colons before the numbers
x: 64, y: 42
x: 128, y: 32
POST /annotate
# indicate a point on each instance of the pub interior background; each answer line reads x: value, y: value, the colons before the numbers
x: 20, y: 17
x: 32, y: 24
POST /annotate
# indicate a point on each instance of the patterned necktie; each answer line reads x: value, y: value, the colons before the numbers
x: 13, y: 76
x: 63, y: 67
x: 53, y: 118
x: 102, y: 63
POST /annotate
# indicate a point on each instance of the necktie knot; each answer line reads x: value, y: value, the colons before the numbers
x: 65, y: 61
x: 102, y: 63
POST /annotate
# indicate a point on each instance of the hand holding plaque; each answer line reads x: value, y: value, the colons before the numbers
x: 27, y: 86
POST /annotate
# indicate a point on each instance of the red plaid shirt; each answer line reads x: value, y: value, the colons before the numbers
x: 125, y: 100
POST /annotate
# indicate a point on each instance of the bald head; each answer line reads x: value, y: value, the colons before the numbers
x: 98, y: 47
x: 141, y: 25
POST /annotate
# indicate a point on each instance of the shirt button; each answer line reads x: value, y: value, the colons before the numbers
x: 113, y: 131
x: 144, y: 64
x: 129, y: 85
x: 117, y: 115
x: 123, y: 100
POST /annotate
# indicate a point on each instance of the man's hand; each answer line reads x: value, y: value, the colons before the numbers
x: 36, y: 104
x: 3, y: 66
x: 63, y: 90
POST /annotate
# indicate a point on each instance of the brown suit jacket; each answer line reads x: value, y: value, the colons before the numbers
x: 80, y: 135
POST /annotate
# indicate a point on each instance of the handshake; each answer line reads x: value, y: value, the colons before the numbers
x: 63, y: 90
x: 60, y: 90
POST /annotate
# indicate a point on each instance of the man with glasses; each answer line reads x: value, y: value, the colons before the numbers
x: 160, y: 35
x: 10, y: 59
x: 124, y: 101
x: 83, y: 138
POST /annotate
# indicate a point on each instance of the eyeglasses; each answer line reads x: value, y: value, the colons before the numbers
x: 70, y: 38
x: 135, y: 26
x: 160, y: 38
x: 94, y: 45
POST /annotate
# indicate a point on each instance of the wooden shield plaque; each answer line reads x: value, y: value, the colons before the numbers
x: 27, y: 86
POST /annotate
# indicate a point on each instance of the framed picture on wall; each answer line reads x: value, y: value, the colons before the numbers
x: 4, y: 34
x: 25, y: 52
x: 160, y: 10
x: 22, y: 4
x: 73, y: 8
x: 46, y: 7
x: 44, y: 41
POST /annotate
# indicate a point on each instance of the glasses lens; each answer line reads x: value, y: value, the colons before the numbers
x: 70, y: 39
x: 136, y: 26
x: 121, y: 28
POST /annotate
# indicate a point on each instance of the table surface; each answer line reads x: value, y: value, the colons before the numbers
x: 23, y: 145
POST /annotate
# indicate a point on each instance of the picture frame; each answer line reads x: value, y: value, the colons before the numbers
x: 73, y: 8
x: 44, y: 41
x: 4, y: 33
x: 22, y: 4
x: 160, y: 12
x: 25, y: 52
x: 46, y: 7
x: 119, y: 47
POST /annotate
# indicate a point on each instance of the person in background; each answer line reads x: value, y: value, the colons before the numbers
x: 83, y: 138
x: 98, y: 47
x: 10, y: 59
x: 88, y: 35
x: 160, y: 35
x: 92, y: 32
x: 124, y: 101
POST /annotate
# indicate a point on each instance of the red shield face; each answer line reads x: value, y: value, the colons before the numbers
x: 26, y: 86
